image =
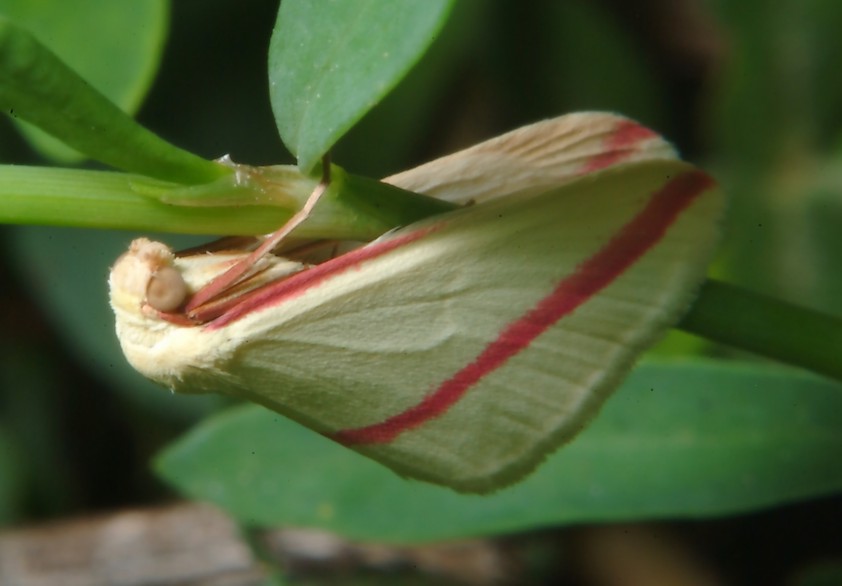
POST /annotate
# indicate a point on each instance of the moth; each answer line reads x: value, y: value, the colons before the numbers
x: 463, y: 348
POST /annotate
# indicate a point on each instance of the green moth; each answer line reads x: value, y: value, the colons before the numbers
x: 463, y: 348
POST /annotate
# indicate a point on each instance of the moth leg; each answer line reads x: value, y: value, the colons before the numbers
x: 235, y: 273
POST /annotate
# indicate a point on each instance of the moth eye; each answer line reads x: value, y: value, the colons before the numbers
x: 166, y: 290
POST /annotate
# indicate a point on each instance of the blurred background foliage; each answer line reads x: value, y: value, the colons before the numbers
x: 749, y: 90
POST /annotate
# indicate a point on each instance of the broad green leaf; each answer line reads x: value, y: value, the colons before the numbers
x: 331, y: 62
x: 397, y: 132
x: 677, y: 440
x: 40, y: 88
x: 115, y: 46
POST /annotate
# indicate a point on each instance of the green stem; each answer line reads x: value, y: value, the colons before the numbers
x: 391, y: 206
x: 38, y: 87
x: 770, y: 327
x: 252, y: 201
x: 106, y: 199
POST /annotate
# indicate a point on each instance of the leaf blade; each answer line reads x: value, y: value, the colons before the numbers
x: 658, y: 449
x: 329, y: 63
x: 40, y: 88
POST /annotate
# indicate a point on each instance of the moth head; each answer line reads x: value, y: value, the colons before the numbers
x: 149, y: 286
x: 146, y: 277
x: 145, y: 283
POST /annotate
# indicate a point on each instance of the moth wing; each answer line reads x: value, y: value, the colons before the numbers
x: 536, y: 157
x: 461, y: 350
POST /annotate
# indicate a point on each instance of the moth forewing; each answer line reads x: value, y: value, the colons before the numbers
x: 537, y: 157
x: 463, y: 348
x: 585, y: 308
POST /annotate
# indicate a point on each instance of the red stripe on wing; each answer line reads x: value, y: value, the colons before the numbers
x: 590, y: 277
x: 299, y: 283
x: 620, y: 145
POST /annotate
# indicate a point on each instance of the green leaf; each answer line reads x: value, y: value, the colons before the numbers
x: 331, y: 62
x: 677, y: 440
x: 114, y: 46
x: 398, y: 131
x: 38, y: 87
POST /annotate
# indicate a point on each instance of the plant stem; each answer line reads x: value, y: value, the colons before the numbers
x: 770, y: 327
x: 105, y: 199
x: 231, y: 205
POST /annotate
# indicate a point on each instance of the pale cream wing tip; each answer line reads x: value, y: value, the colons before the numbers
x: 536, y: 157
